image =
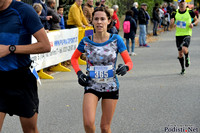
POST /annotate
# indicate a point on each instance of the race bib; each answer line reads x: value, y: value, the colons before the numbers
x: 101, y: 74
x: 181, y: 24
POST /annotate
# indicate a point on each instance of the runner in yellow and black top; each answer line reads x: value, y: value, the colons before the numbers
x: 185, y: 20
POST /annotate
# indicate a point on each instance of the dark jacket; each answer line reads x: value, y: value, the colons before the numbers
x: 43, y: 15
x: 135, y: 16
x: 142, y: 16
x: 55, y: 21
x: 156, y: 16
x: 113, y: 29
x: 133, y: 28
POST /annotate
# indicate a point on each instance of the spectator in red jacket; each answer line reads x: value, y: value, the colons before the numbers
x: 115, y: 17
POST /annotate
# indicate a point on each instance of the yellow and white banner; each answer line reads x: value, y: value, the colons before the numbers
x: 63, y: 44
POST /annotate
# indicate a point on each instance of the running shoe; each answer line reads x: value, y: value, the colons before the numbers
x: 187, y: 61
x: 182, y: 72
x: 146, y: 45
x: 133, y: 54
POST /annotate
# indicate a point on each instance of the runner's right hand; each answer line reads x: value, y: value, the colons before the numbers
x: 83, y: 79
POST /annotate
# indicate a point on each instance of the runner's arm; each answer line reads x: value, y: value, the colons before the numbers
x: 127, y: 59
x: 172, y: 21
x: 74, y: 60
x: 192, y: 14
x: 41, y: 46
x: 196, y: 21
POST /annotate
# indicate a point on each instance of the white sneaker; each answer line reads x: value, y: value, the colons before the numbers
x: 130, y: 53
x: 133, y: 54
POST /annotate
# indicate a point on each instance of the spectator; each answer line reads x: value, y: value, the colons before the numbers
x: 161, y: 15
x: 148, y: 18
x: 115, y: 17
x: 142, y: 24
x: 76, y: 17
x: 103, y: 3
x: 97, y: 4
x: 164, y: 8
x: 43, y: 16
x: 131, y: 34
x: 55, y: 21
x: 166, y: 21
x: 196, y: 12
x: 135, y: 11
x: 169, y: 9
x: 60, y: 13
x: 113, y: 29
x: 155, y: 7
x: 156, y: 20
x: 18, y: 89
x: 88, y: 10
x: 38, y: 8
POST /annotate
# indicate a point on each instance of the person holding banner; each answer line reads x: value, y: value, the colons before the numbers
x: 18, y: 89
x: 101, y: 81
x: 183, y: 18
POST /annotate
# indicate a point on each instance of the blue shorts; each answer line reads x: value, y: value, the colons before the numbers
x: 18, y: 93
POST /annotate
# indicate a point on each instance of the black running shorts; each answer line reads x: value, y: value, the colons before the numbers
x: 104, y: 95
x: 180, y: 39
x: 18, y: 93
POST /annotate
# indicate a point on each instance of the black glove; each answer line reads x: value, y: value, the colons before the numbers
x: 122, y: 69
x: 83, y: 79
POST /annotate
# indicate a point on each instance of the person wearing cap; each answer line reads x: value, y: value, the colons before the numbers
x: 142, y: 24
x: 182, y: 19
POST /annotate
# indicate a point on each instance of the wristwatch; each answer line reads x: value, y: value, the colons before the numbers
x: 12, y: 48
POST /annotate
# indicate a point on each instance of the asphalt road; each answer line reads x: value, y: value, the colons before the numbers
x: 154, y: 98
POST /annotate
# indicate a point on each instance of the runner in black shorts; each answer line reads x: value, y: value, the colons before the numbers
x: 18, y: 86
x: 182, y: 17
x: 101, y: 81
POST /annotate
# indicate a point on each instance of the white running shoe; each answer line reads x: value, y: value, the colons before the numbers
x: 133, y: 54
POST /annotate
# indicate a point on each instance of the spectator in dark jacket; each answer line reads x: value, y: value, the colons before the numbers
x: 43, y: 16
x: 156, y: 20
x: 131, y: 34
x: 142, y: 24
x: 55, y: 21
x: 135, y: 11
